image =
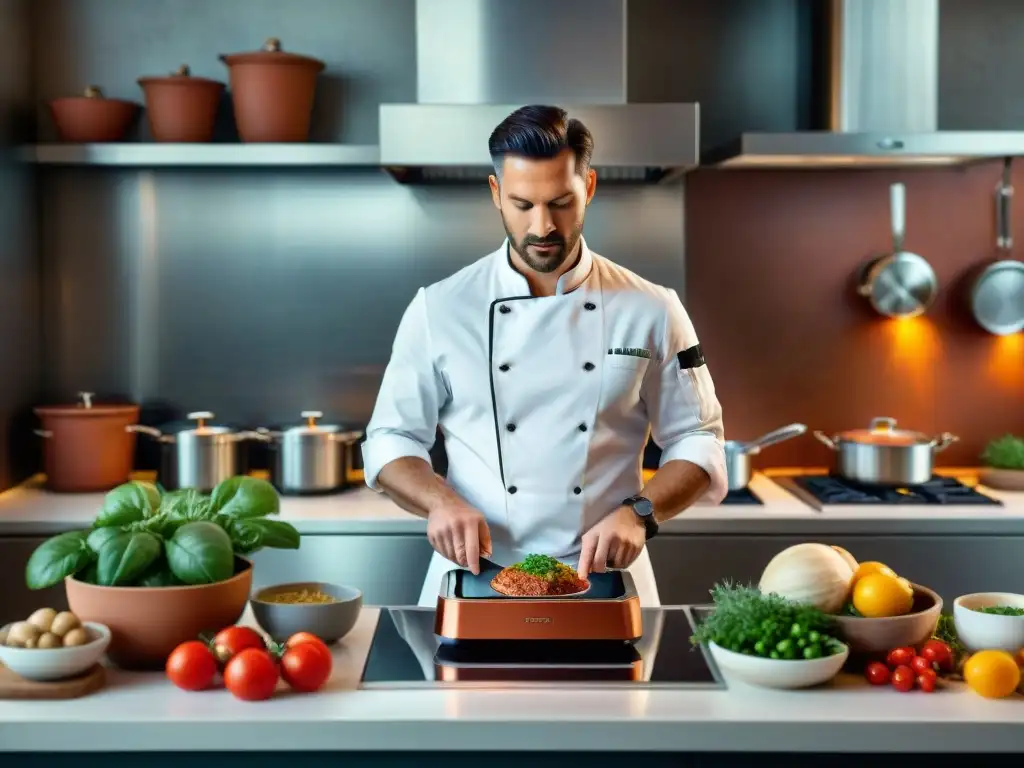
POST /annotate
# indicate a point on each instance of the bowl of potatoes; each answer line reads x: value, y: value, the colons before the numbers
x: 52, y: 645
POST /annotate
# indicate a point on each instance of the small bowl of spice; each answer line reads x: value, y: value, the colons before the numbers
x: 328, y: 611
x: 990, y: 621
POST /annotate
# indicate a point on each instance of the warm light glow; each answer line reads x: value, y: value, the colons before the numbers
x: 1006, y: 362
x: 915, y: 350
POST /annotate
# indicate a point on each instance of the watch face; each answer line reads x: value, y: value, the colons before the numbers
x: 643, y: 507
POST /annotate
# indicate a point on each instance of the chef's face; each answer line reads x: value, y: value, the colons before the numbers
x: 542, y: 205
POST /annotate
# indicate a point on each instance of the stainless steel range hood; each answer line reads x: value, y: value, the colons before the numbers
x: 883, y: 99
x: 478, y: 60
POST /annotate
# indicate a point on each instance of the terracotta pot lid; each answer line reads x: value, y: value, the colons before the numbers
x: 182, y: 76
x: 271, y: 53
x: 93, y: 94
x: 85, y: 407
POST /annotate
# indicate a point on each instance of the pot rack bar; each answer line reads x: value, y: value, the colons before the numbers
x: 211, y: 155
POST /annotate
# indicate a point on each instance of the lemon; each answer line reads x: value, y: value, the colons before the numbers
x: 879, y: 595
x: 871, y: 566
x: 992, y: 674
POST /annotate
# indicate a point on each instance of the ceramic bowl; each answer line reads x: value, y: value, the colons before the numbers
x: 48, y: 664
x: 871, y: 636
x: 987, y: 631
x: 776, y: 673
x: 328, y: 621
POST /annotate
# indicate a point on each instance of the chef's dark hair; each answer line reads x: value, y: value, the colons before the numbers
x: 540, y: 132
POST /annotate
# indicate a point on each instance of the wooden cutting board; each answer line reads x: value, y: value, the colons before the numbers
x: 13, y: 686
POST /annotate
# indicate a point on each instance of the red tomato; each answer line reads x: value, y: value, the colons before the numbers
x: 232, y: 640
x: 191, y: 666
x: 877, y: 673
x: 306, y: 666
x: 900, y: 657
x: 903, y: 678
x: 939, y: 654
x: 251, y: 675
x: 305, y: 637
x: 926, y: 680
x: 920, y: 664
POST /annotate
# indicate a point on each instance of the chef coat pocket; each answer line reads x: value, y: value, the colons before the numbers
x: 630, y: 362
x: 623, y: 377
x: 697, y: 391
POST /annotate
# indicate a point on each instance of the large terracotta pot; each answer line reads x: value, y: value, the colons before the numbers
x: 181, y: 108
x: 147, y: 623
x: 272, y: 93
x: 88, y: 447
x: 92, y: 117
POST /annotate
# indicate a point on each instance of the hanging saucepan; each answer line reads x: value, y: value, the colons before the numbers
x: 737, y: 453
x: 198, y: 457
x: 884, y: 455
x: 311, y: 458
x: 997, y: 295
x: 901, y: 283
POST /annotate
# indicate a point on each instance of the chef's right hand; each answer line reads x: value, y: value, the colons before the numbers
x: 460, y: 533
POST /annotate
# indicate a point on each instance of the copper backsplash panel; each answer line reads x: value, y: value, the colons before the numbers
x: 771, y: 259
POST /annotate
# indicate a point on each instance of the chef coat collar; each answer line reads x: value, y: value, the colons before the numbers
x: 514, y: 283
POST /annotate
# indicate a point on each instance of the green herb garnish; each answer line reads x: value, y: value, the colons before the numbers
x: 747, y: 621
x: 1006, y: 452
x: 945, y: 631
x: 541, y: 566
x: 1001, y: 610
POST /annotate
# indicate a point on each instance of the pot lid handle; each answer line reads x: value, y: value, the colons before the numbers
x: 182, y: 71
x: 883, y: 424
x: 200, y: 416
x: 93, y: 92
x: 273, y: 45
x: 311, y: 417
x: 86, y: 398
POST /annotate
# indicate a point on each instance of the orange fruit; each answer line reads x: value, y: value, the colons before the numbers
x: 869, y: 567
x: 992, y: 674
x: 880, y: 595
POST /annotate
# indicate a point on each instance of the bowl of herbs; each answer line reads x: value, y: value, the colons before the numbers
x: 990, y: 621
x: 769, y: 641
x: 1003, y: 460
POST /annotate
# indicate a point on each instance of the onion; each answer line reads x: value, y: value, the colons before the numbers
x: 812, y: 574
x: 850, y: 559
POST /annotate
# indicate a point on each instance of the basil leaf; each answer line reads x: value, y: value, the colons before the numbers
x: 245, y: 497
x: 125, y: 557
x: 100, y: 536
x: 201, y: 553
x: 251, y: 534
x: 56, y: 559
x: 128, y: 503
x: 158, y: 575
x: 189, y: 504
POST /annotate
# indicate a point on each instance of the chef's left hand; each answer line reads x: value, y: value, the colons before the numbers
x: 616, y: 541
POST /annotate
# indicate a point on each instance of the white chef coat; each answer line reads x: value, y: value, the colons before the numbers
x: 546, y: 402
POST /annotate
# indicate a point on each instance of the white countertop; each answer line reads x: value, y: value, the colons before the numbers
x: 30, y: 509
x: 144, y: 712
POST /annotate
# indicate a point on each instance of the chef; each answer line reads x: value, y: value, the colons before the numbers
x: 546, y: 366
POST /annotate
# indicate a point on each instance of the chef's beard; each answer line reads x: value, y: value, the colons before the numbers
x: 544, y: 263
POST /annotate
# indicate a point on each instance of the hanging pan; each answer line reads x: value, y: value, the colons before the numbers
x: 997, y: 296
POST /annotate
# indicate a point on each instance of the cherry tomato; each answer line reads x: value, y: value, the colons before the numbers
x: 306, y: 666
x: 926, y: 680
x: 877, y: 673
x: 900, y: 657
x: 232, y: 640
x: 920, y: 664
x: 191, y: 666
x: 903, y: 678
x: 251, y: 675
x: 305, y: 637
x: 939, y: 654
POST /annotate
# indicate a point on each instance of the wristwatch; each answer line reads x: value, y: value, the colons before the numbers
x: 644, y: 509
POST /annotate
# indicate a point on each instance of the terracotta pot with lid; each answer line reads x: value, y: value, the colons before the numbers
x: 885, y: 455
x: 88, y: 447
x: 273, y: 92
x: 92, y: 117
x: 180, y: 107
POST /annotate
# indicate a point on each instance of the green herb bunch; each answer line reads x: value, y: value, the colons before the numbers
x: 747, y: 621
x: 145, y: 537
x: 1006, y: 452
x: 541, y: 566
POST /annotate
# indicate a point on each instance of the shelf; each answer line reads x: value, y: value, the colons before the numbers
x: 211, y: 155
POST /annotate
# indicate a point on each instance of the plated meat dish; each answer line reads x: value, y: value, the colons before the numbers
x: 538, y: 576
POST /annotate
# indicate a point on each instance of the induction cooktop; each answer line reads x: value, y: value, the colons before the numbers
x: 405, y: 653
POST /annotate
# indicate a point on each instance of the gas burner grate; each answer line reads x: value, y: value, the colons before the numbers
x: 831, y: 489
x: 741, y: 497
